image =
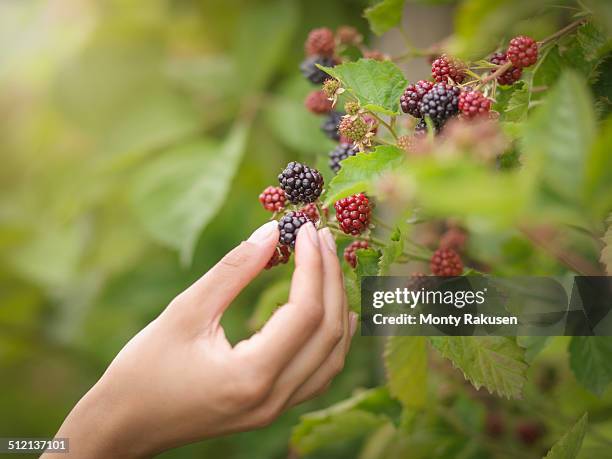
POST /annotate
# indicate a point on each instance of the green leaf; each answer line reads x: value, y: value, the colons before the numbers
x: 570, y: 444
x: 406, y: 365
x: 384, y: 15
x: 391, y: 252
x: 360, y: 173
x: 586, y: 50
x: 590, y: 361
x: 349, y: 419
x: 606, y: 253
x: 495, y: 362
x: 518, y: 105
x: 553, y: 151
x: 533, y: 345
x: 377, y: 84
x: 269, y: 300
x: 547, y: 71
x: 176, y: 194
x: 367, y: 262
x: 598, y: 174
x: 352, y: 287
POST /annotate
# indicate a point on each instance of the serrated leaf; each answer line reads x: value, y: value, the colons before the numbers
x: 367, y: 262
x: 269, y: 300
x: 551, y: 148
x: 351, y: 418
x: 533, y: 345
x: 518, y: 105
x: 384, y: 15
x: 360, y: 173
x: 586, y: 50
x: 590, y: 361
x: 176, y: 194
x: 495, y: 362
x: 377, y: 84
x: 391, y: 252
x: 406, y: 365
x: 606, y: 253
x: 570, y: 444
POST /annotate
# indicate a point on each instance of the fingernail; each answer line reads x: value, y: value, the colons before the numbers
x: 353, y: 323
x: 329, y: 239
x: 310, y: 230
x: 261, y: 234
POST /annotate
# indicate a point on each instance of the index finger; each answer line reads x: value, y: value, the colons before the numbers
x: 294, y: 323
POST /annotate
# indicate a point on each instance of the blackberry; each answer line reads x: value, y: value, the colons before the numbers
x: 509, y: 76
x: 289, y: 226
x: 522, y: 51
x: 440, y: 103
x: 301, y: 183
x: 474, y: 103
x: 406, y: 143
x: 446, y: 67
x: 529, y: 432
x: 494, y: 424
x: 340, y: 153
x: 348, y: 35
x: 318, y: 103
x: 350, y: 253
x: 314, y: 74
x: 281, y: 255
x: 353, y: 128
x: 353, y: 214
x: 454, y: 238
x: 330, y: 125
x: 446, y: 262
x: 413, y: 95
x: 352, y: 108
x: 331, y: 87
x: 272, y: 198
x: 320, y: 42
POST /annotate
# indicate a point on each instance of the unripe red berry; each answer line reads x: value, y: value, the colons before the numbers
x: 446, y: 262
x: 318, y: 103
x: 353, y: 214
x: 273, y: 198
x: 446, y: 67
x: 509, y: 76
x: 529, y: 432
x: 281, y: 255
x: 320, y: 42
x: 474, y: 103
x: 522, y: 51
x: 350, y: 253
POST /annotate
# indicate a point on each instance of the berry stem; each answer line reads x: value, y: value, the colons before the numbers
x: 384, y: 123
x: 381, y: 141
x: 564, y: 31
x: 492, y: 76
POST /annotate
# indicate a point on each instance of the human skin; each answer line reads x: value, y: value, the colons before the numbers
x: 179, y: 380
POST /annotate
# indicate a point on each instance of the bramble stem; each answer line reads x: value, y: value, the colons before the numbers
x: 565, y: 30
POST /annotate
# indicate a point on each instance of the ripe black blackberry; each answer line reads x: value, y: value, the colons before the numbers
x: 350, y: 253
x: 340, y: 153
x: 409, y: 101
x: 301, y: 183
x: 289, y: 226
x: 330, y: 125
x: 281, y: 255
x: 440, y: 103
x: 509, y: 76
x: 314, y: 74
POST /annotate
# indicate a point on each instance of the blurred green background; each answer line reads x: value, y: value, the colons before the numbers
x: 135, y: 137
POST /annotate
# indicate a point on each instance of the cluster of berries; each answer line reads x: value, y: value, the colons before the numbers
x: 301, y: 186
x: 443, y: 98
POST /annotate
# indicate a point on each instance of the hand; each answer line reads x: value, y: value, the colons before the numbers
x: 179, y: 380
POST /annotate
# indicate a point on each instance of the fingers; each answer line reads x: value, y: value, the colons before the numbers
x: 321, y: 379
x: 293, y: 324
x: 331, y: 330
x: 206, y: 299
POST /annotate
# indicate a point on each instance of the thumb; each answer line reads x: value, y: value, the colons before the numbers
x: 206, y: 299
